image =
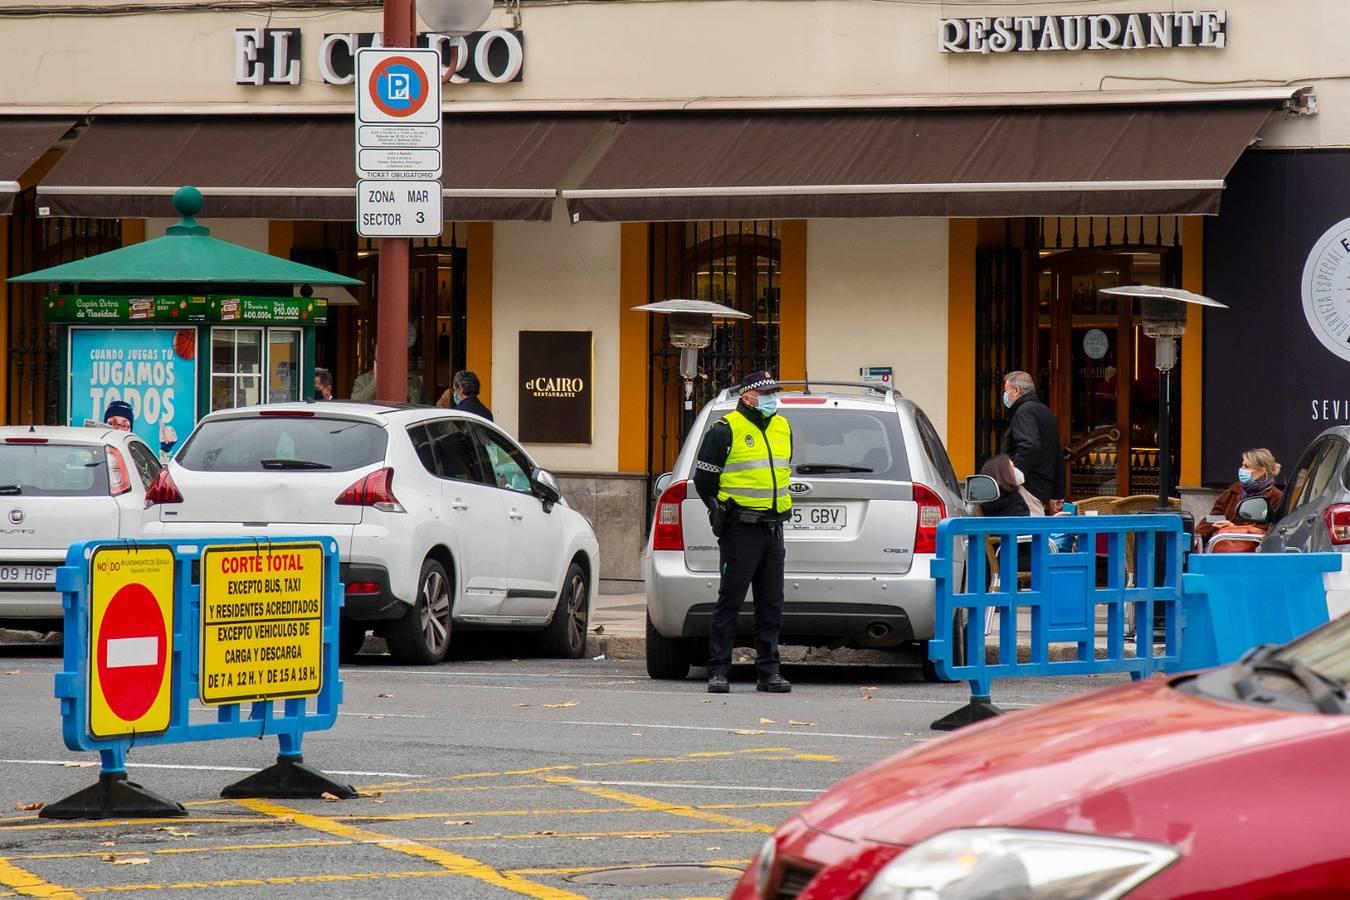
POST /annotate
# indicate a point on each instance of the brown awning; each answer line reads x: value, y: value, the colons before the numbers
x: 1064, y: 161
x: 302, y: 167
x: 22, y: 142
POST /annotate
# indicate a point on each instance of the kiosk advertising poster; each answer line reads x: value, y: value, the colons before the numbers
x: 138, y: 379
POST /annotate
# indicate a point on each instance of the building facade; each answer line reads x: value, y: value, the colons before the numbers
x: 876, y: 185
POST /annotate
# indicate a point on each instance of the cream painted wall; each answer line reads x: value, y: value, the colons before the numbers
x: 876, y: 295
x: 744, y: 49
x: 250, y: 233
x: 554, y: 276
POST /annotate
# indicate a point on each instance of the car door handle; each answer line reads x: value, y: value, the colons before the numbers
x: 1310, y: 519
x: 515, y: 514
x: 459, y: 504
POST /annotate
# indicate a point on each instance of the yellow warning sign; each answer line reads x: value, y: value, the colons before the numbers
x: 130, y: 640
x: 262, y: 622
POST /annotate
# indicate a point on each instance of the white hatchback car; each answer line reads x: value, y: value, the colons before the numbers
x: 59, y: 486
x: 442, y: 522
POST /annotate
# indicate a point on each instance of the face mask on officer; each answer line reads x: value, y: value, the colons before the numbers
x: 767, y: 404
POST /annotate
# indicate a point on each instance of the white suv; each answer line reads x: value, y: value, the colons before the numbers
x: 59, y: 486
x: 870, y: 483
x: 441, y: 520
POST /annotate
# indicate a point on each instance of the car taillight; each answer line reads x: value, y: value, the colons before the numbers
x: 1338, y: 523
x: 162, y: 490
x: 931, y: 512
x: 668, y: 532
x: 25, y: 440
x: 362, y: 588
x: 119, y: 482
x: 375, y: 490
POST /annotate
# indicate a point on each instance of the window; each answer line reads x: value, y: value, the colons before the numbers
x: 1328, y: 464
x: 53, y: 470
x: 284, y: 443
x: 841, y: 443
x: 147, y: 466
x: 1298, y: 492
x: 236, y: 367
x: 937, y: 453
x: 509, y: 465
x: 447, y: 450
x: 283, y: 365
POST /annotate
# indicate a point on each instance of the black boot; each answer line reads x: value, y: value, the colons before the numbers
x: 718, y: 684
x: 774, y: 684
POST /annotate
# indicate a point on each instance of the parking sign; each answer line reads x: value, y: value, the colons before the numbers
x: 398, y: 114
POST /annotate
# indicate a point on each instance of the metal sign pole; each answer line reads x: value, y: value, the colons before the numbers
x: 391, y: 338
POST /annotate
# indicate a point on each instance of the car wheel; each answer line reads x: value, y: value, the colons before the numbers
x: 930, y: 672
x: 565, y: 636
x: 351, y: 638
x: 422, y: 636
x: 667, y: 658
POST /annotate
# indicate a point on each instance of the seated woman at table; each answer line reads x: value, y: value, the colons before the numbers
x: 1256, y: 478
x: 1011, y: 495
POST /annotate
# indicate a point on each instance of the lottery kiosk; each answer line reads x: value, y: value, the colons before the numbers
x: 162, y: 332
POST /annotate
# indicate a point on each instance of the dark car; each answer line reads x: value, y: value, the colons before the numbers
x: 1314, y: 516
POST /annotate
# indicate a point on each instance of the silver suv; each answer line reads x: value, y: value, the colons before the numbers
x: 870, y: 482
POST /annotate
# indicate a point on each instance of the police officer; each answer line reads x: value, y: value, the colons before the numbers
x: 742, y: 476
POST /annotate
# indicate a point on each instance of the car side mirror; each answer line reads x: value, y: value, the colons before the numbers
x: 981, y: 489
x: 1254, y: 509
x: 546, y: 487
x: 662, y: 482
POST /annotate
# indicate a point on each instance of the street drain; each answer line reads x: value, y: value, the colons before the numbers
x: 642, y: 876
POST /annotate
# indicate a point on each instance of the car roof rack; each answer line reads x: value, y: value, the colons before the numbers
x: 808, y: 384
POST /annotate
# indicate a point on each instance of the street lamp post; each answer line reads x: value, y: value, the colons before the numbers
x: 454, y: 18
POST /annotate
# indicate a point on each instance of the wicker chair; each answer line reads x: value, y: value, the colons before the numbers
x: 1101, y: 505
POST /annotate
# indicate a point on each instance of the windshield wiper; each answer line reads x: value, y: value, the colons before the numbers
x: 827, y: 468
x: 10, y: 489
x: 1326, y: 693
x: 292, y: 464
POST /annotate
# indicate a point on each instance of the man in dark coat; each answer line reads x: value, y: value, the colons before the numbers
x: 1032, y: 441
x: 463, y: 395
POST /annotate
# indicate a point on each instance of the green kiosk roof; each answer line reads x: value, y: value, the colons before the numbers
x: 186, y: 253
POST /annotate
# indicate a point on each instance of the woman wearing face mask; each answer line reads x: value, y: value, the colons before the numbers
x: 1011, y: 494
x: 1256, y: 478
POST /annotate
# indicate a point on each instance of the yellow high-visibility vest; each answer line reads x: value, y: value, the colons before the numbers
x: 757, y: 470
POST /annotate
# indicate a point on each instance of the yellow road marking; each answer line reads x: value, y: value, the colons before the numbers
x: 543, y: 836
x: 584, y: 811
x: 577, y: 870
x: 171, y: 851
x: 647, y: 803
x: 451, y: 862
x: 26, y: 884
x: 107, y: 823
x: 263, y: 882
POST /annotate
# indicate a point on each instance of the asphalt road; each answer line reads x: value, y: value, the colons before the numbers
x: 485, y: 778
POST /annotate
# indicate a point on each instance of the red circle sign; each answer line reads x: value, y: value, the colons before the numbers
x: 398, y: 87
x: 131, y: 652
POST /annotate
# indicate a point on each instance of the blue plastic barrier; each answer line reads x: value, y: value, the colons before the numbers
x: 1063, y: 599
x: 1234, y: 601
x: 181, y: 632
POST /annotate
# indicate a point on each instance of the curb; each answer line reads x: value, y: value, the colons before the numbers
x: 634, y: 647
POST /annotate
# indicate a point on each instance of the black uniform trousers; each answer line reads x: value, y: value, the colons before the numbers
x: 752, y: 558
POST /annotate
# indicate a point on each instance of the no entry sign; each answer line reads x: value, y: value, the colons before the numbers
x: 130, y: 641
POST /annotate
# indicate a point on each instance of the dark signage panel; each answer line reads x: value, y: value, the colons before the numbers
x: 556, y: 369
x: 1277, y: 363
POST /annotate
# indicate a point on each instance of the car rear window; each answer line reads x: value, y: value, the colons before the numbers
x: 283, y: 444
x: 844, y: 443
x: 53, y: 470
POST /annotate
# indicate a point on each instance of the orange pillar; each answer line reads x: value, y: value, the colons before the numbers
x: 792, y: 302
x: 633, y: 390
x: 962, y: 238
x: 1192, y: 352
x: 478, y: 341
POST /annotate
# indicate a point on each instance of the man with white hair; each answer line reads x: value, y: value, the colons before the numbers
x: 1032, y: 441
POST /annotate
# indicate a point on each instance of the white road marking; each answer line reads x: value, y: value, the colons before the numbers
x: 350, y: 715
x: 705, y: 787
x: 137, y: 651
x: 727, y: 729
x: 136, y: 765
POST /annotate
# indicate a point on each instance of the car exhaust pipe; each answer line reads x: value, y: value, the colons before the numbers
x: 878, y: 631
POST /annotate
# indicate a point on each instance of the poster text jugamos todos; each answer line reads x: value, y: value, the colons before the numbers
x: 262, y: 623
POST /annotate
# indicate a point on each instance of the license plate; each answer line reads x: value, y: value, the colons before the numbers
x: 27, y: 576
x: 819, y: 518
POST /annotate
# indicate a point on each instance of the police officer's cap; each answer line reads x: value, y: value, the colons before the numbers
x: 759, y: 381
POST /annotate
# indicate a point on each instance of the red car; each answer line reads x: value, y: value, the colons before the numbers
x: 1231, y: 783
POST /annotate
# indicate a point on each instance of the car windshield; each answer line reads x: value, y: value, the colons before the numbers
x: 53, y: 470
x: 844, y: 443
x: 293, y: 445
x: 1325, y: 651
